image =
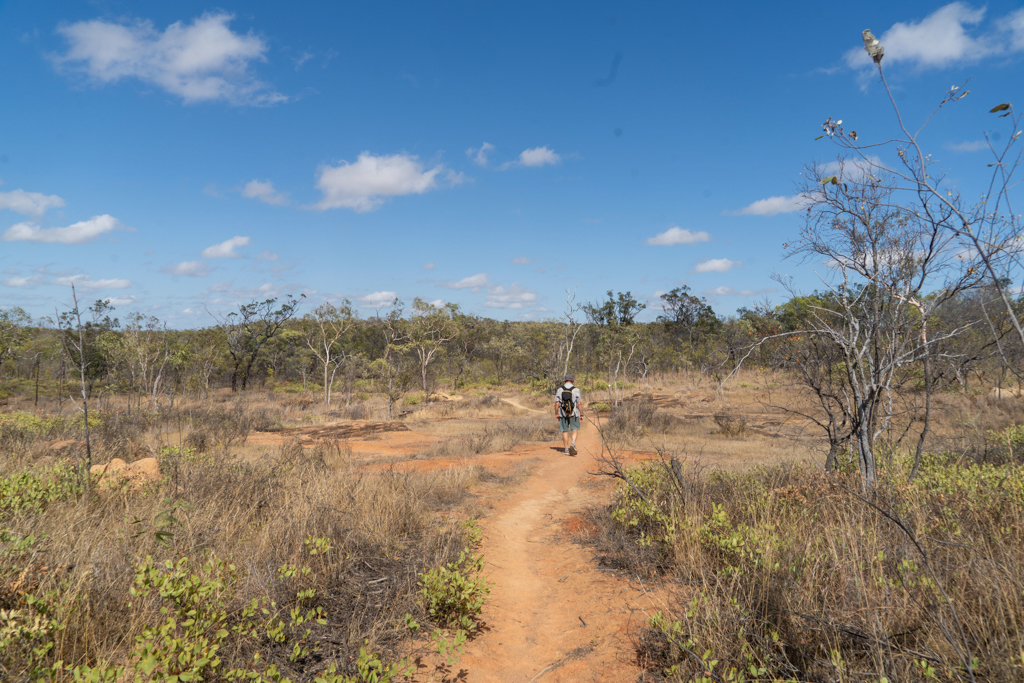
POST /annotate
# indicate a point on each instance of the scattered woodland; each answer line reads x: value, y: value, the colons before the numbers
x: 889, y: 547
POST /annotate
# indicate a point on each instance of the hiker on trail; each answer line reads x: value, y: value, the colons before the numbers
x: 570, y: 406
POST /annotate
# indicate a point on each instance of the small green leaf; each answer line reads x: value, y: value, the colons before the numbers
x: 999, y: 107
x: 147, y: 665
x: 819, y: 137
x: 828, y: 179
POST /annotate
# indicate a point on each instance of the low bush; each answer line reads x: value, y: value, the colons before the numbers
x: 731, y: 425
x: 454, y: 594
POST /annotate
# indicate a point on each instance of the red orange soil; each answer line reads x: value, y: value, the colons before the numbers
x: 552, y: 614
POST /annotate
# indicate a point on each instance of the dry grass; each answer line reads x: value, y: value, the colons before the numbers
x: 83, y: 551
x: 791, y: 572
x: 465, y: 438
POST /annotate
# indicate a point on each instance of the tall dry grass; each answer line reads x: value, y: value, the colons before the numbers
x: 786, y: 573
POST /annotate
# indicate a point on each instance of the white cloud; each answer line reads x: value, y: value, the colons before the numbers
x: 473, y: 282
x: 24, y: 282
x: 366, y: 183
x: 77, y: 233
x: 379, y: 299
x: 678, y: 236
x: 188, y: 269
x: 1013, y: 24
x: 716, y: 265
x: 267, y: 256
x: 539, y: 156
x: 438, y: 303
x: 264, y: 191
x: 32, y: 204
x: 121, y: 300
x: 772, y: 206
x: 428, y: 266
x: 854, y: 170
x: 944, y: 38
x: 200, y: 62
x: 225, y: 249
x: 729, y: 291
x: 523, y: 261
x: 532, y: 158
x: 970, y: 146
x: 514, y: 297
x: 87, y: 283
x: 479, y: 154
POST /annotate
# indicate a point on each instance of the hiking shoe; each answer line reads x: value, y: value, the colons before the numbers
x: 567, y: 452
x: 572, y: 450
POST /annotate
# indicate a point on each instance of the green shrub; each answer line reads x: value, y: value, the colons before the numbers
x: 30, y: 491
x: 454, y: 594
x: 39, y: 427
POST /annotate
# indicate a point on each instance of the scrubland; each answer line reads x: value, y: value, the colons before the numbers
x: 269, y: 549
x: 785, y: 572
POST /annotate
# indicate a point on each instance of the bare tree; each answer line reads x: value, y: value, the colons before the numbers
x: 75, y: 346
x: 571, y: 329
x: 988, y: 229
x: 883, y: 261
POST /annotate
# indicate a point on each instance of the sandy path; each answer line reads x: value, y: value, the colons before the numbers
x: 552, y: 615
x: 516, y: 404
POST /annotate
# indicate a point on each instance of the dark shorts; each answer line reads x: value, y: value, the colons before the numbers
x: 569, y: 424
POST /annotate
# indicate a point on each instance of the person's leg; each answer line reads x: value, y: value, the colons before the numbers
x: 574, y: 429
x: 563, y: 423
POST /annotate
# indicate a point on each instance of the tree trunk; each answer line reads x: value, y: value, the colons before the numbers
x: 927, y: 416
x: 327, y: 390
x: 833, y: 453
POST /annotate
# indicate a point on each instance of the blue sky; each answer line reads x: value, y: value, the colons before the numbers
x: 180, y: 157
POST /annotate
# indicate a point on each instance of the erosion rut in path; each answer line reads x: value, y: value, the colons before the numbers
x: 552, y: 615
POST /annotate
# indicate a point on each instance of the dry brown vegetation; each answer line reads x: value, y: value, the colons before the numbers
x: 780, y: 567
x: 786, y: 572
x: 262, y: 503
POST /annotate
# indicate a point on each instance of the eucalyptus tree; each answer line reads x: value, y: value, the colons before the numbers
x: 323, y: 331
x: 431, y: 327
x: 14, y: 332
x: 143, y: 349
x: 692, y: 323
x: 249, y: 328
x: 618, y: 334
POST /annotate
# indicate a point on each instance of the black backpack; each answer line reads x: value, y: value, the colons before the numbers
x: 566, y: 402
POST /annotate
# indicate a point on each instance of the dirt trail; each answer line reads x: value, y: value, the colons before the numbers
x: 516, y: 404
x: 552, y: 614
